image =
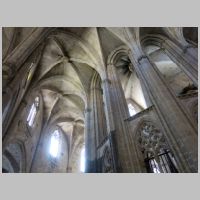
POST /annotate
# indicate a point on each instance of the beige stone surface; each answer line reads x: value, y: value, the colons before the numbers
x: 85, y: 78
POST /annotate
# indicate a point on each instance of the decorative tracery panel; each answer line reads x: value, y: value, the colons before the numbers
x: 157, y: 155
x: 150, y: 139
x: 107, y: 165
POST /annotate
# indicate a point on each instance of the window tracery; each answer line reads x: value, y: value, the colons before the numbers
x: 131, y: 109
x: 107, y: 161
x: 54, y: 144
x: 158, y: 157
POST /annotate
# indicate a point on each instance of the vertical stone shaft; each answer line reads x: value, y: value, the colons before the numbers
x: 118, y: 112
x: 187, y: 63
x: 179, y: 132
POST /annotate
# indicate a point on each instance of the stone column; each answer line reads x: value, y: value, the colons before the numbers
x: 98, y: 114
x: 117, y: 112
x: 19, y: 55
x: 108, y: 108
x: 179, y: 131
x: 187, y: 63
x: 90, y: 142
x: 189, y: 52
x: 95, y: 128
x: 70, y: 150
x: 111, y: 132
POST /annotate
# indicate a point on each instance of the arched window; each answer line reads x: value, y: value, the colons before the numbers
x: 157, y: 156
x: 33, y: 112
x: 54, y: 149
x: 82, y: 163
x: 131, y: 109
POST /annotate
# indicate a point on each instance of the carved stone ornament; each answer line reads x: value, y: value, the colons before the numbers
x: 151, y: 140
x: 107, y: 161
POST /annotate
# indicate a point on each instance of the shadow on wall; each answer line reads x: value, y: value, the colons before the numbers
x: 13, y: 158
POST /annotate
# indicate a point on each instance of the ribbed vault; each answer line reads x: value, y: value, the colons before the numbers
x: 74, y: 74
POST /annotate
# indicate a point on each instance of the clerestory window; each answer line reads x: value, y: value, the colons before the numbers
x: 55, y: 144
x: 33, y: 112
x: 131, y: 109
x: 82, y: 163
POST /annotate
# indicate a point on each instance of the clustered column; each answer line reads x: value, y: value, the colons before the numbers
x: 179, y: 132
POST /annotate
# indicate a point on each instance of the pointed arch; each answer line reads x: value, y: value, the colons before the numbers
x: 15, y: 154
x: 156, y: 152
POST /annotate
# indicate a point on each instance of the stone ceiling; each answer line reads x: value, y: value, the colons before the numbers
x: 69, y: 61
